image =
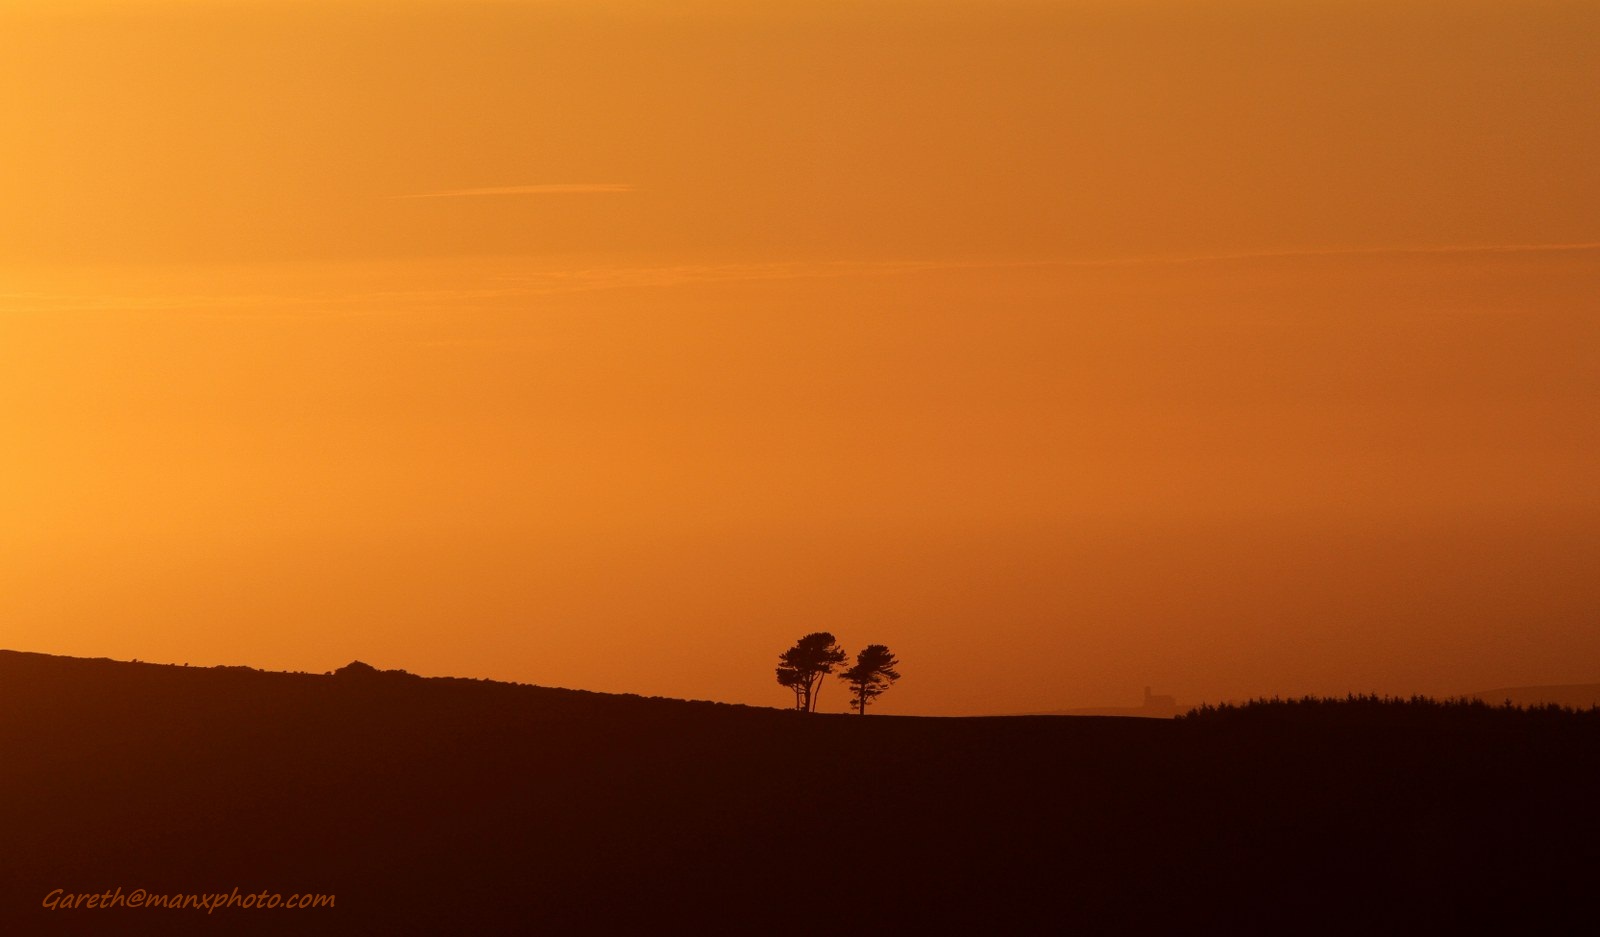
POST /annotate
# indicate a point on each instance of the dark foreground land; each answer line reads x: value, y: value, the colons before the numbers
x: 465, y: 807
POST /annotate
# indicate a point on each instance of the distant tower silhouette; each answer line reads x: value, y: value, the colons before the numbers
x: 1164, y: 703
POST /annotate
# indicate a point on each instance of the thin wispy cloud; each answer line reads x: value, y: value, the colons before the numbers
x: 510, y: 285
x: 1574, y: 246
x: 556, y: 188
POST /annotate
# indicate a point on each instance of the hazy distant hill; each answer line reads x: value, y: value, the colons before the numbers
x: 451, y: 806
x: 1576, y: 696
x: 1154, y: 706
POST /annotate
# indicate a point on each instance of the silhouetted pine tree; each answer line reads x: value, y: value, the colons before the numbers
x: 802, y: 667
x: 874, y: 672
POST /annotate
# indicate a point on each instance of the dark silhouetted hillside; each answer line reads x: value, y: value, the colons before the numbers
x: 451, y: 806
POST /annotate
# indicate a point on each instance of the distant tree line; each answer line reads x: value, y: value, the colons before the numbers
x: 1356, y: 708
x: 802, y: 669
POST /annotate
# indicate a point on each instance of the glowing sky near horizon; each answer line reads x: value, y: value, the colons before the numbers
x: 1067, y: 348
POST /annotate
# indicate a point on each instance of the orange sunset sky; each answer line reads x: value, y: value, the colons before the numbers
x: 1227, y: 347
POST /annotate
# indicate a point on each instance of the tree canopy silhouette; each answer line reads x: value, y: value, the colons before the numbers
x: 790, y: 677
x: 802, y: 667
x: 873, y: 672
